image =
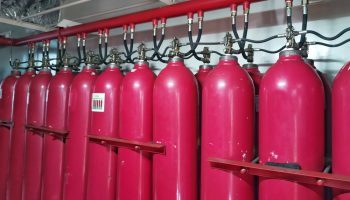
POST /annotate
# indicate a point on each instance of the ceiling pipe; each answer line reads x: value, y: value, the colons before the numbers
x: 6, y: 41
x: 134, y: 18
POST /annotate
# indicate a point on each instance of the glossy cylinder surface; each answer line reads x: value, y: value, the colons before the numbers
x: 340, y: 127
x: 34, y: 146
x: 135, y: 167
x: 291, y: 125
x: 56, y: 118
x: 7, y: 93
x: 79, y: 107
x: 227, y: 130
x: 102, y: 159
x: 175, y: 104
x: 19, y: 133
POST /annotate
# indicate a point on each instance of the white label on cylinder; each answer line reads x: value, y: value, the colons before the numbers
x: 98, y: 102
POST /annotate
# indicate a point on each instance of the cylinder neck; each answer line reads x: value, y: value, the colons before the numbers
x: 65, y: 69
x: 228, y: 57
x: 88, y: 66
x: 176, y: 59
x: 290, y: 52
x: 45, y: 70
x: 112, y: 66
x: 205, y: 66
x: 15, y: 72
x: 141, y: 62
x: 250, y: 66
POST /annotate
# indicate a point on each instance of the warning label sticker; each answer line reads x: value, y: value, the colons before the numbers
x: 98, y: 102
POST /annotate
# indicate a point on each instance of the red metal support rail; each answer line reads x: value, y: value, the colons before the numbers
x: 6, y: 41
x: 134, y: 145
x: 134, y: 18
x: 301, y: 176
x: 50, y: 131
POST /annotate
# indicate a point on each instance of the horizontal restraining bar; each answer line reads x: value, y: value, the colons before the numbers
x: 7, y: 124
x: 170, y: 11
x: 49, y: 131
x: 134, y: 145
x: 301, y: 176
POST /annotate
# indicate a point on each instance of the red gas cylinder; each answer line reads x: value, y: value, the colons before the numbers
x: 175, y: 107
x: 227, y: 130
x: 328, y: 113
x: 102, y: 159
x: 340, y: 127
x: 34, y: 143
x: 255, y: 74
x: 79, y: 108
x: 7, y: 91
x: 56, y: 119
x: 134, y: 167
x: 291, y: 126
x: 19, y: 134
x: 202, y: 73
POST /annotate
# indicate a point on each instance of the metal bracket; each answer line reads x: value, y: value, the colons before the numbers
x: 300, y: 176
x: 175, y: 48
x: 129, y: 144
x: 228, y: 42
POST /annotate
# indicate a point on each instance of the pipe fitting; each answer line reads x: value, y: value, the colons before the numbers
x: 155, y: 26
x: 78, y: 40
x: 190, y: 21
x: 233, y: 13
x: 106, y: 34
x: 163, y: 21
x: 200, y: 19
x: 132, y: 31
x: 100, y: 33
x: 125, y: 30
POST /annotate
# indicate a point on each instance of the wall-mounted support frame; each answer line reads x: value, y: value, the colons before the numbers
x: 129, y: 144
x: 301, y: 176
x: 49, y: 131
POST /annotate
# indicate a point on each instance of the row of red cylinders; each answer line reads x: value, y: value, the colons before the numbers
x: 291, y: 127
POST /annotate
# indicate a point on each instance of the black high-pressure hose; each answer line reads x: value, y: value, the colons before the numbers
x: 100, y: 51
x: 245, y: 33
x: 235, y: 33
x: 158, y: 46
x: 131, y: 50
x: 260, y: 41
x: 79, y: 55
x: 103, y: 57
x: 157, y: 50
x: 333, y: 45
x: 272, y: 52
x: 328, y: 38
x: 304, y: 27
x: 106, y: 52
x: 84, y: 53
x: 289, y: 21
x: 194, y: 46
x: 59, y: 53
